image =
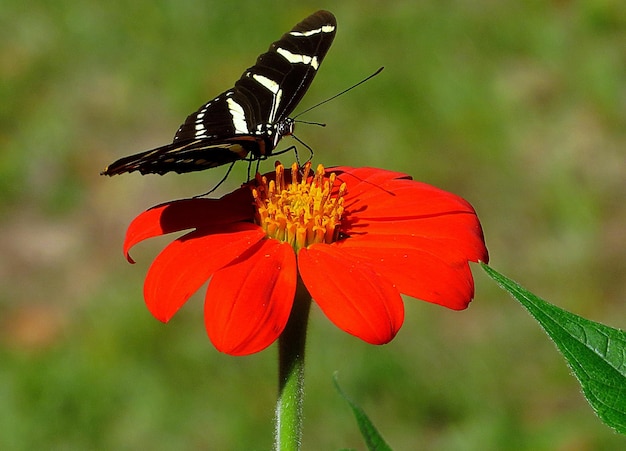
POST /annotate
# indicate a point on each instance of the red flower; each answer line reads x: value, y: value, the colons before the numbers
x: 357, y: 239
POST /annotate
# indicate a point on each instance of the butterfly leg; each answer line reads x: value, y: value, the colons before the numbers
x: 295, y: 151
x: 230, y: 168
x: 311, y: 153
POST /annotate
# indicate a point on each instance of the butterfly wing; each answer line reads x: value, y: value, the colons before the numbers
x: 251, y: 117
x: 304, y: 49
x: 269, y: 91
x: 206, y: 140
x: 184, y: 157
x: 274, y: 86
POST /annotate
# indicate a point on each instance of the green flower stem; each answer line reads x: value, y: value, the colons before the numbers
x: 288, y: 419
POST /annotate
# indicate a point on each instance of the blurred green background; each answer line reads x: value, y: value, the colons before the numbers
x: 518, y: 106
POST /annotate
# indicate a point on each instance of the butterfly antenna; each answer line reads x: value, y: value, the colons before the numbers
x: 321, y: 124
x: 340, y: 93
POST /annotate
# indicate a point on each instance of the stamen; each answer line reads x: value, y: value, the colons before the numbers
x: 300, y: 211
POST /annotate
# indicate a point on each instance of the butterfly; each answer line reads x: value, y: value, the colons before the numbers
x: 249, y: 120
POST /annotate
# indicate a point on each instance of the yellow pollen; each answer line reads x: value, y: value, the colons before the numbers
x: 302, y: 211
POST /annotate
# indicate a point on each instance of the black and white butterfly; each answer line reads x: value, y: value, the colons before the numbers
x: 247, y: 121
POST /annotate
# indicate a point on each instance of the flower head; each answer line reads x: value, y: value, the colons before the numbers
x: 357, y: 238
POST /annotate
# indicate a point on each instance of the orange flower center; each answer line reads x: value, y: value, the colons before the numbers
x: 302, y: 211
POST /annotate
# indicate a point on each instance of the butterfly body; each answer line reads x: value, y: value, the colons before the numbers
x: 249, y: 120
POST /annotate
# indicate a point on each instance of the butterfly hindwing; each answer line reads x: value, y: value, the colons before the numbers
x: 183, y: 157
x: 250, y: 119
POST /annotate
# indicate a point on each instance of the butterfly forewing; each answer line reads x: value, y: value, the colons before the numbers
x: 212, y: 120
x: 305, y: 46
x: 249, y: 119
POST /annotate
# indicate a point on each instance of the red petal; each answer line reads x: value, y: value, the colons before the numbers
x: 366, y: 176
x: 188, y: 214
x: 377, y: 196
x: 419, y: 273
x: 355, y: 297
x: 457, y: 235
x: 188, y: 262
x: 416, y: 235
x: 403, y: 199
x: 248, y: 302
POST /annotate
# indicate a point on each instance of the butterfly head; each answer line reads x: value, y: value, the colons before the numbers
x: 282, y: 128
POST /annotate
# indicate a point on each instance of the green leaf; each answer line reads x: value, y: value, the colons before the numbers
x: 373, y: 439
x: 596, y: 353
